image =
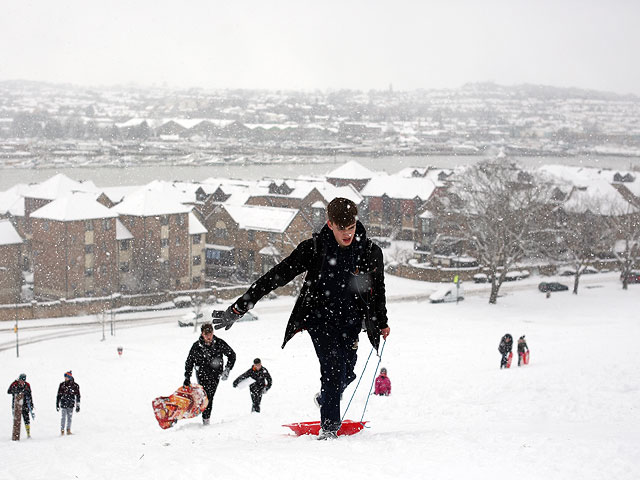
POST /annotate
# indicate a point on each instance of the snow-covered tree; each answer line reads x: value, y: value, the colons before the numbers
x: 500, y: 211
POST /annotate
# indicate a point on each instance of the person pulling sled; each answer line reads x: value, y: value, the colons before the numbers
x: 523, y: 351
x: 505, y: 347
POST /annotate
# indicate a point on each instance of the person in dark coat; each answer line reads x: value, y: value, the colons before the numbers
x: 343, y: 292
x: 20, y: 385
x: 261, y: 385
x: 68, y: 397
x: 522, y: 348
x: 506, y: 344
x: 206, y: 356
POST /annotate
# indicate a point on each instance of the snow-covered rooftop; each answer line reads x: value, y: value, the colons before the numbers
x: 8, y: 233
x: 352, y: 171
x: 59, y: 185
x: 268, y: 219
x: 146, y: 203
x: 122, y: 232
x: 398, y: 187
x: 74, y: 207
x: 195, y: 226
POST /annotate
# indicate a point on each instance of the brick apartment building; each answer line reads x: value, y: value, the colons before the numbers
x: 74, y: 246
x: 10, y: 263
x: 161, y: 256
x: 247, y: 240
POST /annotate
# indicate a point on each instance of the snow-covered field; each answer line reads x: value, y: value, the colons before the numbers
x: 574, y: 412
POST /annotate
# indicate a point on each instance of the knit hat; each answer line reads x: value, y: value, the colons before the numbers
x: 68, y: 375
x: 22, y: 377
x: 383, y: 370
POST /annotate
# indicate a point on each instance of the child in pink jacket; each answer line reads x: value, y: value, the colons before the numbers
x: 383, y: 384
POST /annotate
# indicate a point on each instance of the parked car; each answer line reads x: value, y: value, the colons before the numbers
x: 514, y: 275
x: 588, y: 270
x: 447, y: 293
x: 552, y: 287
x: 480, y: 278
x: 633, y: 276
x: 182, y: 301
x: 567, y: 272
x: 382, y: 242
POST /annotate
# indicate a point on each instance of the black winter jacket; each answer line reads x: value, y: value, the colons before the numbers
x: 208, y: 361
x: 68, y: 394
x: 261, y: 377
x: 309, y: 256
x: 506, y: 344
x: 16, y: 388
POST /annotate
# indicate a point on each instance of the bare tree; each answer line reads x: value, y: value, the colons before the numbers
x: 499, y: 211
x: 582, y: 235
x: 626, y: 230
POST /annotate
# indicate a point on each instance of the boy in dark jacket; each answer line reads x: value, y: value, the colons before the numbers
x: 68, y: 397
x: 522, y: 348
x: 506, y: 344
x: 206, y: 355
x: 261, y: 385
x: 342, y: 291
x: 20, y: 385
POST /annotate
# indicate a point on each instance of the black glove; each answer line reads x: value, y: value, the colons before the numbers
x: 265, y: 390
x: 225, y: 318
x: 77, y: 408
x: 225, y: 373
x: 235, y: 384
x: 187, y: 382
x: 57, y: 408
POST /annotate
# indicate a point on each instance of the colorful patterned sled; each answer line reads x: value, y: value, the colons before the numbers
x: 349, y: 427
x: 186, y: 402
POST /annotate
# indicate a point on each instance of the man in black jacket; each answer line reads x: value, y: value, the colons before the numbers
x: 22, y: 386
x: 342, y: 292
x: 261, y: 385
x: 206, y: 355
x: 68, y: 397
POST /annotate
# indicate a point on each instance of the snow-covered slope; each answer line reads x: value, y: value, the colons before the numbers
x: 572, y: 413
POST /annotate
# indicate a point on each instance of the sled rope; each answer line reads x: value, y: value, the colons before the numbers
x: 373, y: 381
x: 357, y: 385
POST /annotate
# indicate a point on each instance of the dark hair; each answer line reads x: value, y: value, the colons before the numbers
x: 342, y: 212
x: 206, y: 328
x: 256, y: 361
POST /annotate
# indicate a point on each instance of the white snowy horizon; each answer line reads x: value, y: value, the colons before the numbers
x: 288, y: 45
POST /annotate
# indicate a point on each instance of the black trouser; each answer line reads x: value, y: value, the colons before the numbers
x: 25, y: 415
x: 337, y: 355
x: 210, y: 387
x: 256, y: 390
x: 505, y: 358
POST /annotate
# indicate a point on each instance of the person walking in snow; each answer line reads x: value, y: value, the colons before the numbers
x: 261, y: 385
x: 343, y: 291
x: 522, y: 348
x: 383, y: 384
x: 206, y: 356
x: 506, y: 344
x: 20, y: 385
x: 67, y: 399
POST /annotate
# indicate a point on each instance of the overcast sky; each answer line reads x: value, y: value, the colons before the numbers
x: 298, y: 44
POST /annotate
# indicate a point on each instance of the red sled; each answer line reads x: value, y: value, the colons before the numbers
x: 525, y: 357
x: 186, y: 402
x: 349, y: 427
x: 509, y: 358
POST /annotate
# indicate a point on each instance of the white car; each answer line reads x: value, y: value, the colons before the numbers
x: 447, y: 293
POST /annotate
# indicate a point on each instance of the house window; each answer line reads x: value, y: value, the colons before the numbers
x: 180, y: 220
x: 196, y: 279
x: 88, y: 272
x: 124, y: 266
x: 196, y: 239
x: 164, y: 242
x: 164, y: 220
x: 177, y: 241
x: 106, y: 224
x: 124, y: 244
x: 45, y: 225
x: 251, y: 235
x: 197, y: 260
x: 88, y: 249
x: 88, y: 225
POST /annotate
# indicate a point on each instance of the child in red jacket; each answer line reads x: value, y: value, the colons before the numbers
x: 383, y: 384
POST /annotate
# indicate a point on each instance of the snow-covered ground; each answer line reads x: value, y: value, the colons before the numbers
x: 574, y: 412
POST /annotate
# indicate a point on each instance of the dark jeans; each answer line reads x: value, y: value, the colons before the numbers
x: 256, y: 390
x: 505, y: 358
x: 25, y: 415
x: 337, y: 357
x: 210, y: 388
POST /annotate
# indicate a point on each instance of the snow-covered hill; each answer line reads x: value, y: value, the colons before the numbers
x: 572, y: 413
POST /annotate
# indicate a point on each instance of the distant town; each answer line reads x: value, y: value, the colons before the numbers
x: 53, y: 125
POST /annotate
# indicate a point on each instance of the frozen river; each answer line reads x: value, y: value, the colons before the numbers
x: 114, y: 176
